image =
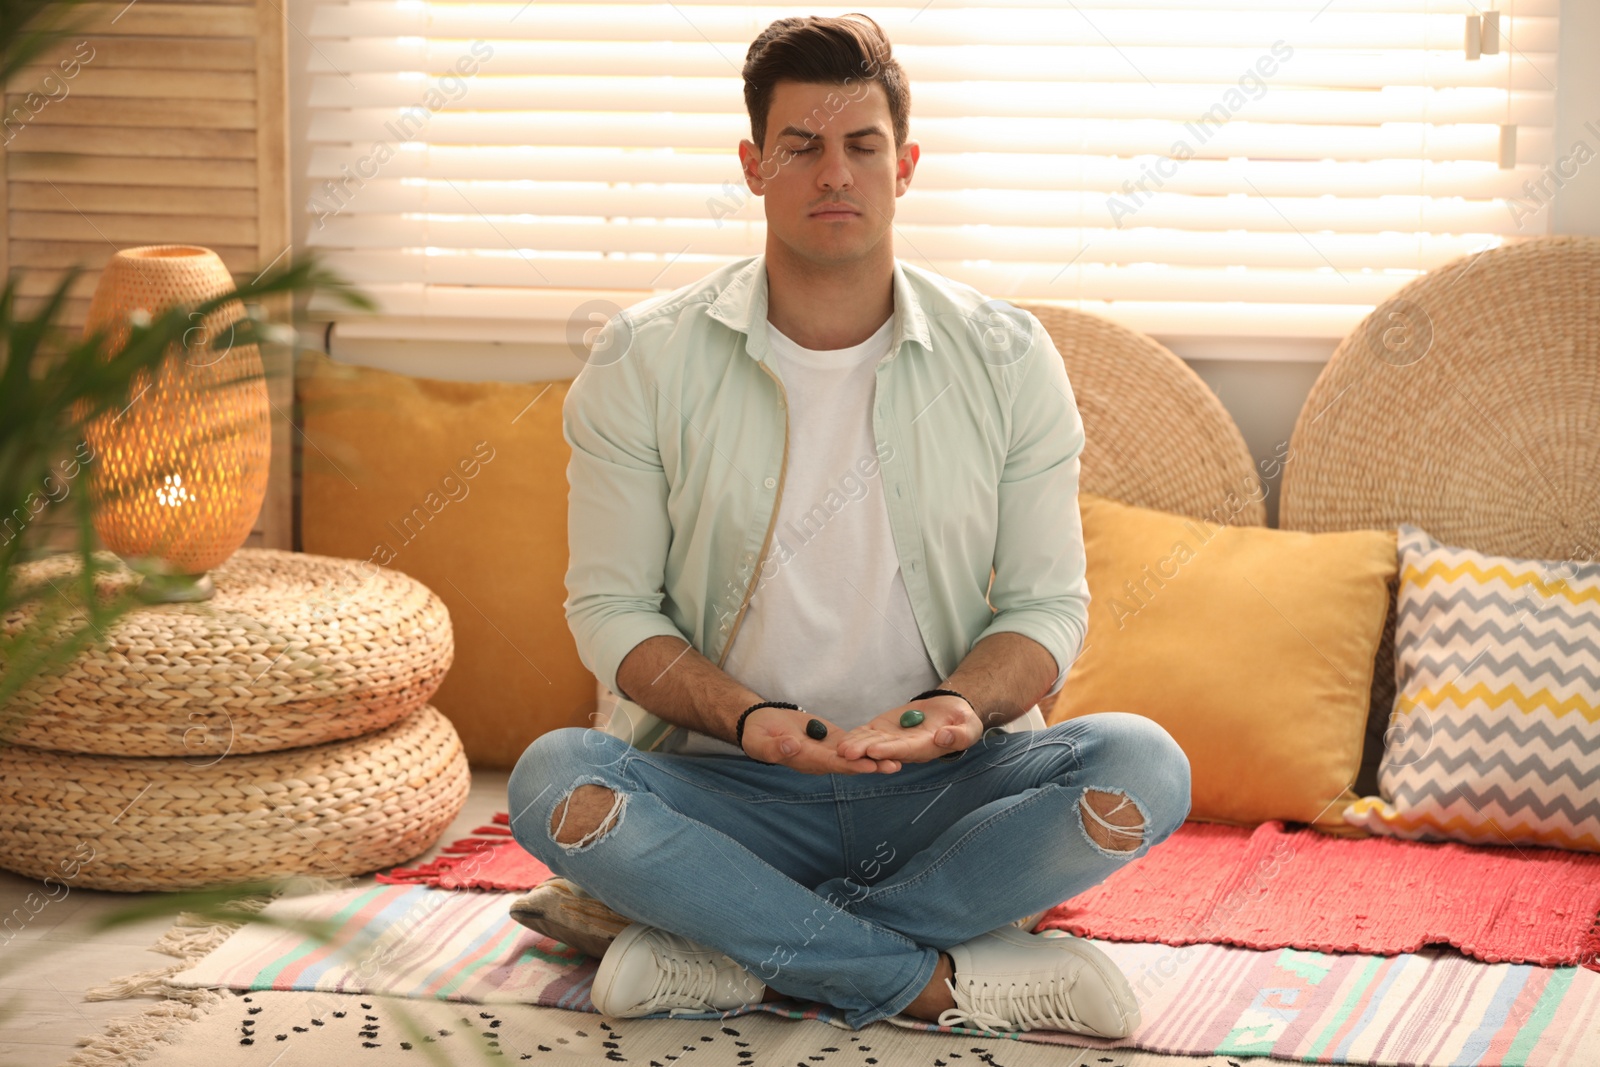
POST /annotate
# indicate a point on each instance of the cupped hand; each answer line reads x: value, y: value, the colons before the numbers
x: 949, y: 725
x: 778, y: 735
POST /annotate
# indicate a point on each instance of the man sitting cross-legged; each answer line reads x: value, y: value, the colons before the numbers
x: 824, y: 534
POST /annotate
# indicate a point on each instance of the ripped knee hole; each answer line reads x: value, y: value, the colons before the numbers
x: 1122, y: 835
x: 597, y: 811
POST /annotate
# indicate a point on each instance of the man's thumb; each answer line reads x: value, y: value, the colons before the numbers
x: 788, y: 747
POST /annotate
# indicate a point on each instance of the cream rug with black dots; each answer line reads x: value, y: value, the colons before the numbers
x: 295, y: 1029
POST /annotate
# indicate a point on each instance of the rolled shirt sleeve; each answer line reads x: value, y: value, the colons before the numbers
x: 1040, y: 587
x: 618, y: 528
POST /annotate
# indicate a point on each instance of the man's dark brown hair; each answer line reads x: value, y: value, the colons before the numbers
x: 827, y: 51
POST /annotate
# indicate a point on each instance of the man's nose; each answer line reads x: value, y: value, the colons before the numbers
x: 835, y: 170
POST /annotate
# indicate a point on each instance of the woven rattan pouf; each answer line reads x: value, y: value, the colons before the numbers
x: 280, y: 728
x: 337, y: 810
x: 294, y: 649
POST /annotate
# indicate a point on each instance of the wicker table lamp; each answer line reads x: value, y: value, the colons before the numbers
x: 182, y: 470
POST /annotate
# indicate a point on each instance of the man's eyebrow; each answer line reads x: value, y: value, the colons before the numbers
x: 865, y: 131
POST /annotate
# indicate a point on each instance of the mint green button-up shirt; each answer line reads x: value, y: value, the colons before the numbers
x: 678, y: 430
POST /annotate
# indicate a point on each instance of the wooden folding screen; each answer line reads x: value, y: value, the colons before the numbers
x: 155, y: 123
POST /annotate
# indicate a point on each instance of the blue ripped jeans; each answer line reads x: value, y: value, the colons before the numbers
x: 839, y: 888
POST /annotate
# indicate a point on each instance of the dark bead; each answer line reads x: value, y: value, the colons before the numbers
x: 816, y: 729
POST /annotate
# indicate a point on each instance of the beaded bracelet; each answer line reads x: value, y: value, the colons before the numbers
x: 940, y: 693
x: 738, y: 733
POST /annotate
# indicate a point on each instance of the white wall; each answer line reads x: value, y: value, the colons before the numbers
x: 1262, y: 381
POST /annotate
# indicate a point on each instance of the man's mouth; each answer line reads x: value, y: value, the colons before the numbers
x: 835, y: 212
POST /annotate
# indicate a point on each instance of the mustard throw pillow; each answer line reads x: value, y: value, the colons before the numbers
x: 1252, y: 647
x: 463, y: 486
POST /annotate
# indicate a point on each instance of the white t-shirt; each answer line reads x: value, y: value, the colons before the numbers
x: 830, y: 625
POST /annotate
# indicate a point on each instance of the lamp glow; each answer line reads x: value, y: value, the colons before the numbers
x: 182, y: 470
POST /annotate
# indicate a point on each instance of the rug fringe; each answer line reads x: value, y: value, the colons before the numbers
x: 136, y: 1038
x: 192, y: 936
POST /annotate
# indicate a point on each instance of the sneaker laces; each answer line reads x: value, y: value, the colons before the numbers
x: 694, y: 977
x: 1044, y: 1004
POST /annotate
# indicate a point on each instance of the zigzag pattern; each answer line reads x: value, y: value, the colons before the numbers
x: 1535, y: 731
x: 1415, y: 543
x: 1427, y: 666
x: 1565, y: 641
x: 1502, y: 657
x: 1488, y: 821
x: 1513, y: 765
x: 1528, y: 801
x: 1377, y: 816
x: 1451, y: 696
x: 1468, y: 601
x: 1440, y: 570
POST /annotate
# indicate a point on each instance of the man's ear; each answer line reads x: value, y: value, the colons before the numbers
x: 906, y: 166
x: 750, y: 165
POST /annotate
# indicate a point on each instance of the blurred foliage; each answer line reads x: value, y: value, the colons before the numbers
x: 53, y: 383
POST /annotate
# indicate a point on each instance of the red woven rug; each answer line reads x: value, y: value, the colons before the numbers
x: 1277, y: 888
x: 1264, y: 888
x: 491, y: 859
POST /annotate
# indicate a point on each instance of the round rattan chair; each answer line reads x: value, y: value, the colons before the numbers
x: 1155, y: 435
x: 1469, y: 405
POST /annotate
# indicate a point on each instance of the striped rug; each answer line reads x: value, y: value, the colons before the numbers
x: 1430, y: 1007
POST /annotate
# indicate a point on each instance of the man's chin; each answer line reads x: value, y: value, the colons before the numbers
x: 831, y: 254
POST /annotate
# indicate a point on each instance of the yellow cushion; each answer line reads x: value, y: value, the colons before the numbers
x: 1253, y: 647
x: 463, y: 486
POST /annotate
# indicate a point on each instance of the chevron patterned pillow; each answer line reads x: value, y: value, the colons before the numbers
x: 1495, y: 734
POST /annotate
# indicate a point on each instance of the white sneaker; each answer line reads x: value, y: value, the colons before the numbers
x: 1009, y: 979
x: 648, y: 969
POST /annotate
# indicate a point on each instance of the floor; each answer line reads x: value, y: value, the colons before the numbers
x: 46, y: 965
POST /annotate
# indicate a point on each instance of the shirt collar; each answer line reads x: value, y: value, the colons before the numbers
x: 742, y: 305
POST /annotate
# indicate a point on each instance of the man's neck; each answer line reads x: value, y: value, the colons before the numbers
x: 831, y: 307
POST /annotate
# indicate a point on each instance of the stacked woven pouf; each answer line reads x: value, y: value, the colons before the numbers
x: 280, y: 728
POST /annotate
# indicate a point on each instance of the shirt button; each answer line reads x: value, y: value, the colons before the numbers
x: 770, y: 482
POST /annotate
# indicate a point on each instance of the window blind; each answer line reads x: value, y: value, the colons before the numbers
x: 1224, y: 167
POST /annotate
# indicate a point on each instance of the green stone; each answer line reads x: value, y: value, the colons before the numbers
x: 816, y: 729
x: 911, y: 717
